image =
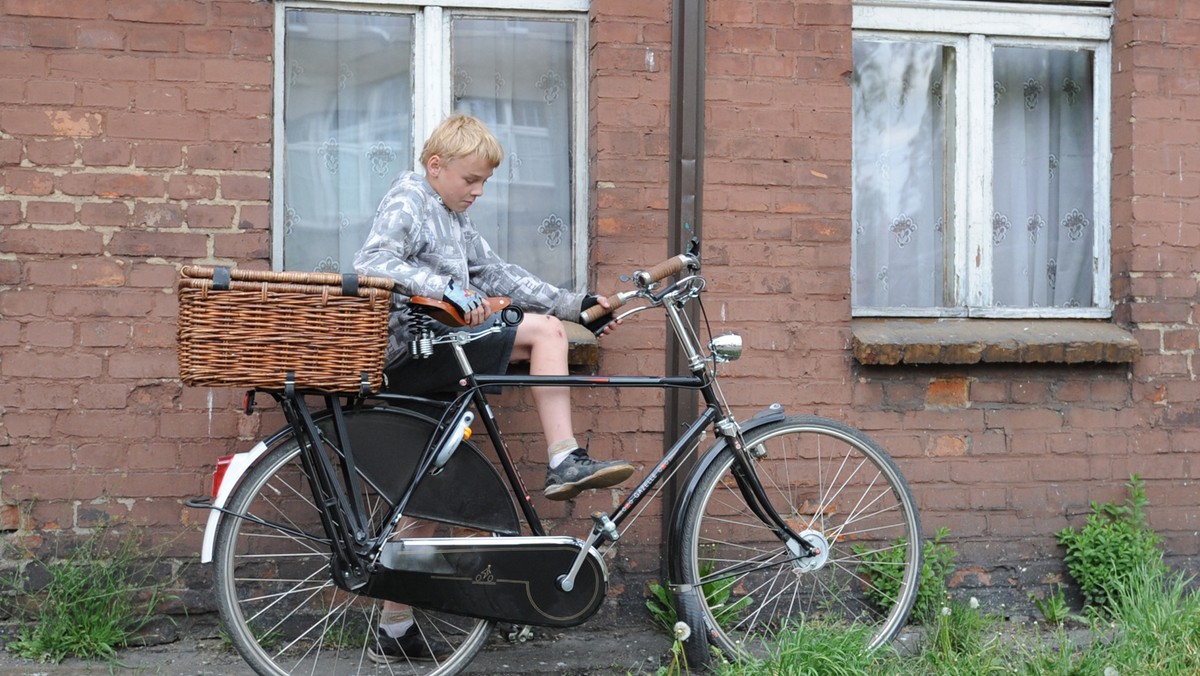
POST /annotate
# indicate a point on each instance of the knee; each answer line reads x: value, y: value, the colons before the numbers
x: 543, y: 329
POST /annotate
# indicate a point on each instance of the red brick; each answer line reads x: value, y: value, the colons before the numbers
x: 59, y: 242
x: 191, y: 187
x: 73, y: 9
x: 22, y: 63
x: 50, y: 213
x: 154, y: 39
x: 51, y: 365
x: 104, y: 334
x: 112, y: 213
x: 162, y: 215
x: 149, y: 154
x: 106, y: 153
x: 50, y: 93
x: 101, y: 36
x: 210, y: 216
x: 167, y: 245
x: 105, y: 95
x: 156, y: 126
x: 242, y: 188
x: 28, y: 182
x: 207, y: 40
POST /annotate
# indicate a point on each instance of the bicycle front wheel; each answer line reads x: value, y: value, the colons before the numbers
x: 275, y: 591
x: 835, y: 488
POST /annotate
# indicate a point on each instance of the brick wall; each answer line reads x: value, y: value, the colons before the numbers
x: 135, y: 136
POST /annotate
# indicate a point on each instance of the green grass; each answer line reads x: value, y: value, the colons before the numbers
x: 88, y: 603
x: 1153, y: 629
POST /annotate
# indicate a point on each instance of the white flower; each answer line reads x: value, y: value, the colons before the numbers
x: 1111, y: 671
x: 974, y: 603
x: 945, y: 611
x: 682, y: 631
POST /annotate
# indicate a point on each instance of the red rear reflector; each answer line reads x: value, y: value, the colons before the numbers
x: 219, y: 473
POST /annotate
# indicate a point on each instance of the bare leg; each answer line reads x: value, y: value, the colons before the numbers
x: 542, y: 341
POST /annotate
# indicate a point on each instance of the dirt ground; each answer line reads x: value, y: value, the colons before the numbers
x: 572, y: 652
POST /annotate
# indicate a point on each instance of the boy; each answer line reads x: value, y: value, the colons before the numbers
x: 423, y: 239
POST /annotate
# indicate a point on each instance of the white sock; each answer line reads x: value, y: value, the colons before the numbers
x: 397, y: 629
x: 559, y: 450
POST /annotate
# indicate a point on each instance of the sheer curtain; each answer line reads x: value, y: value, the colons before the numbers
x: 515, y: 75
x: 1042, y: 226
x: 899, y: 192
x: 348, y: 128
x: 1041, y: 229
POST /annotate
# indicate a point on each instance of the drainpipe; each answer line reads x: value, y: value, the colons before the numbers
x: 684, y: 210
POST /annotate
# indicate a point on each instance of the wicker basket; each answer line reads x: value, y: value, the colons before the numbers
x: 249, y: 328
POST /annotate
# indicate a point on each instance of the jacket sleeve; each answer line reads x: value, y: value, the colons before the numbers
x: 496, y: 277
x: 395, y: 244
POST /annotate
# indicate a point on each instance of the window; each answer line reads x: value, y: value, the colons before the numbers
x: 359, y: 86
x: 981, y: 159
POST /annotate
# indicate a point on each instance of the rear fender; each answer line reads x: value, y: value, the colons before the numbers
x: 238, y: 465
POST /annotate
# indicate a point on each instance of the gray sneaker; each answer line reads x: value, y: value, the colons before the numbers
x: 579, y: 472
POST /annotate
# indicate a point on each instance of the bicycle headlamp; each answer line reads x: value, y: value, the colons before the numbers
x: 726, y: 348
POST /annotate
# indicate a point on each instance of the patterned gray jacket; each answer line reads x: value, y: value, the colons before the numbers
x: 418, y: 242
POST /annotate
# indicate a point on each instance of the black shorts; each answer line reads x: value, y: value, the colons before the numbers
x: 440, y: 372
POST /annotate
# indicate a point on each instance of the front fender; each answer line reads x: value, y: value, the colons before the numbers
x: 772, y: 413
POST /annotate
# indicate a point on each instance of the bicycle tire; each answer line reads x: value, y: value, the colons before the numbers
x: 275, y: 594
x: 836, y: 488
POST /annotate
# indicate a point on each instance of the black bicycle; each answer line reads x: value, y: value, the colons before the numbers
x: 782, y: 520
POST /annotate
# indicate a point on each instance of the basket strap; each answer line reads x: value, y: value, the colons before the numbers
x: 349, y: 284
x: 221, y: 279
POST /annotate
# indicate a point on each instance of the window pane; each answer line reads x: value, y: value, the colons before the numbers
x: 516, y: 76
x: 348, y: 110
x: 1042, y: 227
x: 899, y: 204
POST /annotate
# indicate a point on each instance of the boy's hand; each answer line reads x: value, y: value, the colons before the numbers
x: 605, y: 324
x: 472, y: 306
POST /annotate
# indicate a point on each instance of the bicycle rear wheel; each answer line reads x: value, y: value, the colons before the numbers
x: 837, y: 489
x: 274, y: 589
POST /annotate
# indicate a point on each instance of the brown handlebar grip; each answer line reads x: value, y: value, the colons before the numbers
x: 664, y: 269
x: 597, y: 311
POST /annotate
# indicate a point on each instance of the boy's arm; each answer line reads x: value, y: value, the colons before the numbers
x: 392, y: 250
x: 496, y: 277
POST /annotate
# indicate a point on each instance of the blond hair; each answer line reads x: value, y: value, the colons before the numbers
x: 459, y: 136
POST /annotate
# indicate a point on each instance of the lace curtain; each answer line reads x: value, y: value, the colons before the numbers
x: 348, y: 129
x: 1041, y: 230
x: 348, y: 125
x: 515, y: 75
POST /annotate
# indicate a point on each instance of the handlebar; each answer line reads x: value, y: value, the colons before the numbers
x: 643, y: 279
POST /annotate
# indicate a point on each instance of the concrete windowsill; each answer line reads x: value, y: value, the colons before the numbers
x: 887, y: 341
x: 583, y: 351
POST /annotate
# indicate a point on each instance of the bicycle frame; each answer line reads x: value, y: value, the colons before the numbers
x: 356, y: 552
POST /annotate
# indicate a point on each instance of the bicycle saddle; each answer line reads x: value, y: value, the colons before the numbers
x: 446, y: 313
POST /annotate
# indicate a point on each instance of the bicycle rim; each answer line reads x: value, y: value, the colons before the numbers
x: 837, y: 489
x: 276, y: 596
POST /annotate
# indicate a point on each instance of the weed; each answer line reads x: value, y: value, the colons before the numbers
x: 819, y: 649
x: 717, y: 594
x: 881, y: 569
x: 1114, y: 540
x: 95, y: 600
x: 1053, y: 606
x: 1158, y: 622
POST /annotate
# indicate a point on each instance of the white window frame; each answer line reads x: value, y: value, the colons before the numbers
x: 433, y: 89
x: 973, y: 28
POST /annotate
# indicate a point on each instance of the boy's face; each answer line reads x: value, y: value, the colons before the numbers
x: 459, y: 181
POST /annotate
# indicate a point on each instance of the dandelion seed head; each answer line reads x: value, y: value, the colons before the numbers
x: 682, y: 631
x: 945, y: 611
x: 974, y: 603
